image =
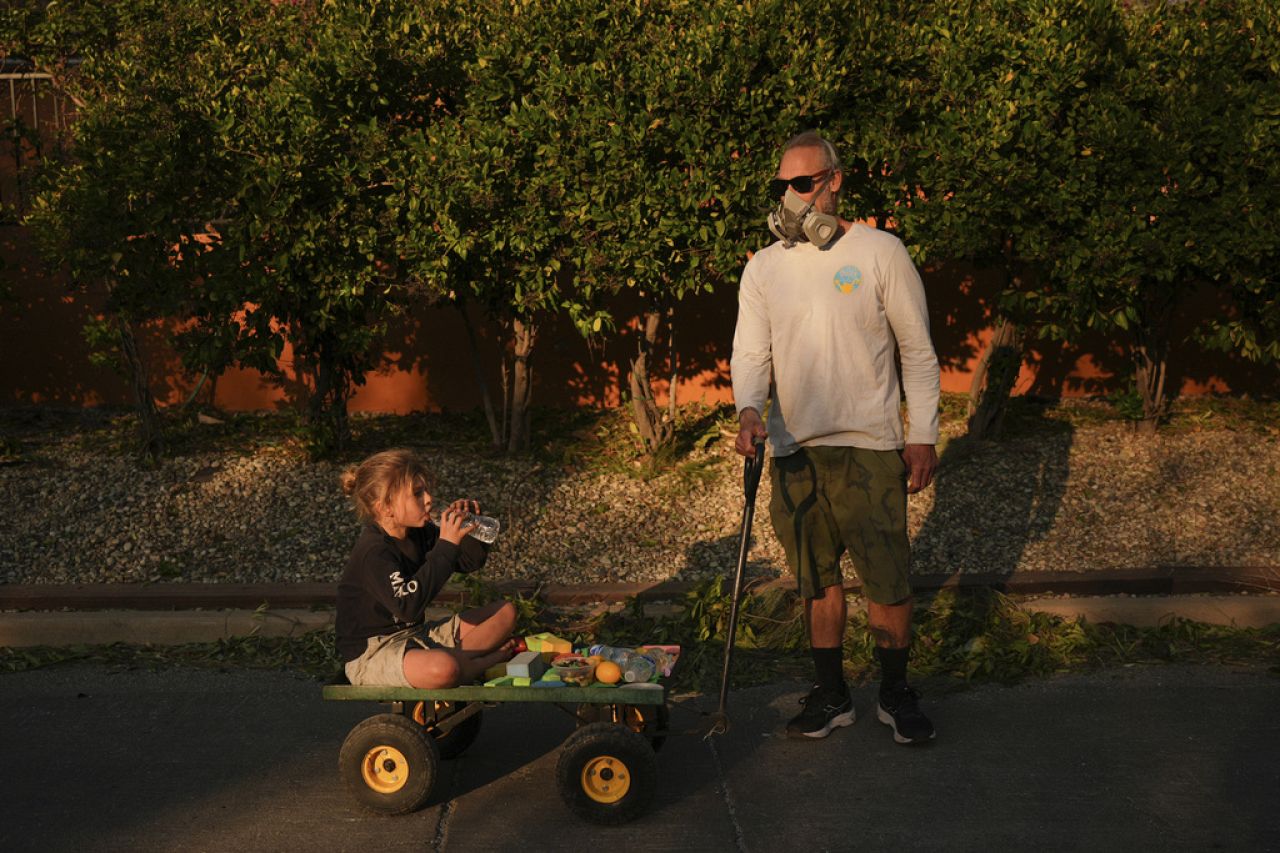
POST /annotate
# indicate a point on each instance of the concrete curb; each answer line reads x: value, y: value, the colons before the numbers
x: 162, y: 628
x: 101, y: 627
x: 1237, y: 611
x: 1156, y: 580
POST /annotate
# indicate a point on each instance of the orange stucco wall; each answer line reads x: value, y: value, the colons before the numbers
x: 427, y: 364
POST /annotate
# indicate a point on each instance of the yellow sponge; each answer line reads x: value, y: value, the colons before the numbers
x: 547, y: 643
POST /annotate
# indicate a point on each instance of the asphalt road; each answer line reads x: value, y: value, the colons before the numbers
x: 1176, y: 758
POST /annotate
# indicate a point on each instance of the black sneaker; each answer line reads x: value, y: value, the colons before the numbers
x: 899, y: 708
x: 822, y: 712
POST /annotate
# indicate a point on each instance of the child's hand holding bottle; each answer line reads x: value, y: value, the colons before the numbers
x: 457, y: 520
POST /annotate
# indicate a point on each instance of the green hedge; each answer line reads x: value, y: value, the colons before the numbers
x: 351, y: 160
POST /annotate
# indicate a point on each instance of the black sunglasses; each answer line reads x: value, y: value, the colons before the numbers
x: 800, y: 183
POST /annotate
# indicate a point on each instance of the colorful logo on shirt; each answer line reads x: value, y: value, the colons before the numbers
x: 848, y: 279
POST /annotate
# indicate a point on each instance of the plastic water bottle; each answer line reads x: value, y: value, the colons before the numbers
x: 488, y: 527
x: 663, y: 660
x: 611, y: 653
x: 486, y: 531
x: 635, y: 666
x: 638, y: 668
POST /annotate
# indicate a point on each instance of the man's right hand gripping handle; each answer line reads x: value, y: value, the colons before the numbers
x: 750, y: 431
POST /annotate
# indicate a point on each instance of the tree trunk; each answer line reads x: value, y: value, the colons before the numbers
x: 506, y: 396
x: 997, y: 371
x: 327, y: 408
x: 486, y: 397
x: 1149, y: 373
x: 993, y: 380
x: 655, y: 428
x: 1150, y: 353
x: 151, y: 434
x: 672, y: 406
x: 523, y: 336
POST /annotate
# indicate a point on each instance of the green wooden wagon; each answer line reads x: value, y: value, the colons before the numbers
x: 607, y: 771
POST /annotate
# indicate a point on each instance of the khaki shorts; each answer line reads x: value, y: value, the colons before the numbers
x: 829, y: 500
x: 382, y: 663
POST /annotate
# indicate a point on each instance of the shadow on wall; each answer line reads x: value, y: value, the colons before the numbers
x: 962, y: 311
x: 430, y: 346
x: 44, y: 358
x: 961, y: 301
x: 427, y: 363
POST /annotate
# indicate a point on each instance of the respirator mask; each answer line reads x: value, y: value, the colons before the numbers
x: 794, y: 220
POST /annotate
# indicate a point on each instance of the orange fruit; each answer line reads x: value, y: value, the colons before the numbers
x: 608, y: 672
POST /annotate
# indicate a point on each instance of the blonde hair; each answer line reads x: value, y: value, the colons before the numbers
x: 379, y: 478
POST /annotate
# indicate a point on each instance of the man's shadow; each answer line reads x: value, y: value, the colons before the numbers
x: 993, y: 501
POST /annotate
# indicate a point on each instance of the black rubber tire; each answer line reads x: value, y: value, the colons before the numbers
x: 659, y: 720
x: 629, y: 760
x: 379, y: 779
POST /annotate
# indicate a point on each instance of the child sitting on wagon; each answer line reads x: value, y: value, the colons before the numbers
x: 399, y: 563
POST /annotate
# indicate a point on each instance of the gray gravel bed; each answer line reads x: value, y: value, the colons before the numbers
x: 1084, y: 498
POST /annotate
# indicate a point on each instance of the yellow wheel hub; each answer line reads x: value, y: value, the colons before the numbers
x: 384, y: 769
x: 606, y: 779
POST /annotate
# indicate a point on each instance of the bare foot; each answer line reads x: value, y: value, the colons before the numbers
x: 507, y: 647
x: 477, y: 662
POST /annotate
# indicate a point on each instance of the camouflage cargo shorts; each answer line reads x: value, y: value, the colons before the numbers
x: 829, y: 500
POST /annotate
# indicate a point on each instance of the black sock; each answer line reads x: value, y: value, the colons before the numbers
x: 829, y: 665
x: 893, y: 667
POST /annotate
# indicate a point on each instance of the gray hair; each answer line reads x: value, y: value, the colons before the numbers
x: 813, y: 139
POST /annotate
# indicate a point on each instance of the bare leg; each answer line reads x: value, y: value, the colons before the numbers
x: 890, y: 624
x: 431, y: 668
x: 441, y: 668
x: 474, y: 664
x: 826, y: 615
x: 488, y: 627
x: 484, y: 639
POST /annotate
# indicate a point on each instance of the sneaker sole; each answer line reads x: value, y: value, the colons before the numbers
x: 839, y: 721
x: 883, y: 716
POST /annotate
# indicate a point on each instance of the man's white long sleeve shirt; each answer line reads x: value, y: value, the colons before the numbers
x: 823, y: 324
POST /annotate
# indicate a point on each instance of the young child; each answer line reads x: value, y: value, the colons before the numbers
x: 397, y: 566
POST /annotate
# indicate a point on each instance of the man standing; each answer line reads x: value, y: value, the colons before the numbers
x: 819, y: 314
